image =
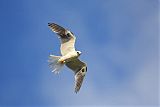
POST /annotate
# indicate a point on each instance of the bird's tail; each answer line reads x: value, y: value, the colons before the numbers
x: 55, y: 65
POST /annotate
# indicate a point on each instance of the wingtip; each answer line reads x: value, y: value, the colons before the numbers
x: 76, y: 91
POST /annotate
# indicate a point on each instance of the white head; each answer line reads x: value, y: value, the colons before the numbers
x: 79, y: 53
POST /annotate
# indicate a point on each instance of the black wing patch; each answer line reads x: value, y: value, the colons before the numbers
x: 62, y: 32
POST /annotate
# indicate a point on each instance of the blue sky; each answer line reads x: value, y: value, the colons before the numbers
x: 118, y: 40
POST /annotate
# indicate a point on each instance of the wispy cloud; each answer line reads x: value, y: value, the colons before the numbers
x: 123, y: 71
x: 118, y: 40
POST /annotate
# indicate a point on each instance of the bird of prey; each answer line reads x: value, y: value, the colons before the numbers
x: 70, y: 57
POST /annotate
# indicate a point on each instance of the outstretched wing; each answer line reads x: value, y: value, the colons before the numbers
x: 66, y: 37
x: 80, y: 69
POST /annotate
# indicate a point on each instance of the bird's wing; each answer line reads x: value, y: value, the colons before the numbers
x: 80, y: 69
x: 66, y: 37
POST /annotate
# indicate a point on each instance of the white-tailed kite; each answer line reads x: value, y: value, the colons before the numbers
x: 69, y: 55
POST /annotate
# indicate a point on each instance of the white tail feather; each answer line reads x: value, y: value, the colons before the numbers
x: 54, y: 64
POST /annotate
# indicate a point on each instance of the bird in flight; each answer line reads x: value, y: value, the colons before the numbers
x: 69, y: 56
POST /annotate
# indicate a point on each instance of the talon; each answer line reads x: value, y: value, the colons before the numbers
x: 63, y: 62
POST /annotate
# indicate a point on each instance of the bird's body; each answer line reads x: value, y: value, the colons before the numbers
x: 70, y: 57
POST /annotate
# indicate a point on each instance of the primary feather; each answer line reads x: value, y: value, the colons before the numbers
x: 67, y: 38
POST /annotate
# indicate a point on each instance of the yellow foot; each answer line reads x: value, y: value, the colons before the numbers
x: 62, y: 62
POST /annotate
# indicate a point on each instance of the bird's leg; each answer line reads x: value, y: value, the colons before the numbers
x: 62, y: 62
x: 67, y: 58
